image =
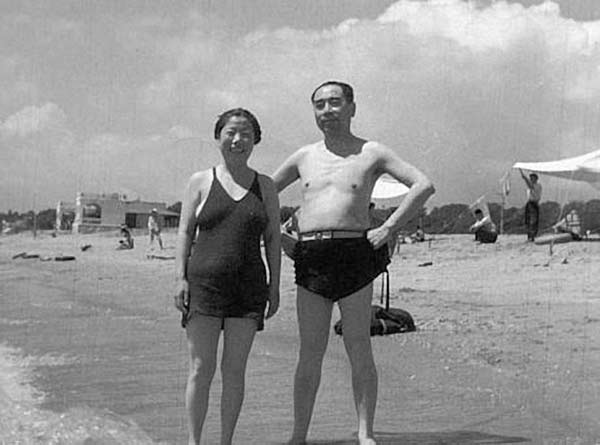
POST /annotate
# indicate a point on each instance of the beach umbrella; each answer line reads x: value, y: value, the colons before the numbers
x: 388, y: 192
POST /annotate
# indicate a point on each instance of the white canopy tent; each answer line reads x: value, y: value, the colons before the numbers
x: 388, y: 192
x: 585, y: 168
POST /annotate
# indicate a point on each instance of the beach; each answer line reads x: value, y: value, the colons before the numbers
x: 507, y: 348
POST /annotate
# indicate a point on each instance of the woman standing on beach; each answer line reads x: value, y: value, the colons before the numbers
x: 222, y: 279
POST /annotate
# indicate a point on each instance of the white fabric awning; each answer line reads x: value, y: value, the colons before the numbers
x: 585, y: 168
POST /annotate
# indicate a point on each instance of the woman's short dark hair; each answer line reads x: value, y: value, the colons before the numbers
x: 347, y: 90
x: 239, y: 112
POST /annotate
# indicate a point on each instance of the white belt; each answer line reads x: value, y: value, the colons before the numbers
x: 330, y: 234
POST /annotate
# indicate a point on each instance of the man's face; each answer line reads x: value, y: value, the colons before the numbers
x: 533, y: 178
x: 332, y: 111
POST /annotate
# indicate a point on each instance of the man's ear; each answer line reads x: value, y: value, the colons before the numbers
x: 353, y: 109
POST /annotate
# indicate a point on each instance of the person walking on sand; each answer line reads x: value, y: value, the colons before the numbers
x: 154, y: 229
x: 338, y: 255
x: 222, y: 281
x: 532, y: 208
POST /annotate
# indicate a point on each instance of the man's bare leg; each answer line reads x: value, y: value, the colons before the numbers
x: 356, y: 320
x: 237, y: 341
x: 203, y: 339
x: 314, y: 317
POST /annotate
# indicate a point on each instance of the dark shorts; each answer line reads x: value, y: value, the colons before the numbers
x: 486, y: 236
x: 336, y: 268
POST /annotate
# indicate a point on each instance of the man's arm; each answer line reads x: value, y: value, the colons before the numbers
x: 477, y: 224
x: 272, y: 237
x: 420, y: 189
x: 287, y: 172
x: 526, y: 179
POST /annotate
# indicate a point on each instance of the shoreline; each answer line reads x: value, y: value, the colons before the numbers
x: 507, y: 346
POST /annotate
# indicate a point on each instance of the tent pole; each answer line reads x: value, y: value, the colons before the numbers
x: 502, y: 214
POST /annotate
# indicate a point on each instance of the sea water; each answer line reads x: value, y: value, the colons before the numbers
x: 23, y: 421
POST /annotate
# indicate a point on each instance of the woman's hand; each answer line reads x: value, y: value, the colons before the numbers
x: 273, y: 301
x: 182, y: 296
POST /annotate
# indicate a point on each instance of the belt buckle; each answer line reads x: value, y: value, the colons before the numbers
x: 319, y: 235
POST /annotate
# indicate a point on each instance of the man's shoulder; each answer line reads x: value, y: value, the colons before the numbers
x: 378, y: 150
x: 308, y: 150
x: 313, y: 146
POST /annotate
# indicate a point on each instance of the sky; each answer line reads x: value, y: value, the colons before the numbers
x: 112, y: 96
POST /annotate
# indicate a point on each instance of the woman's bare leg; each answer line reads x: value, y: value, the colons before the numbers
x: 238, y: 338
x: 203, y: 340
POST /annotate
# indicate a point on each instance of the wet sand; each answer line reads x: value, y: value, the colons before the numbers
x: 507, y: 348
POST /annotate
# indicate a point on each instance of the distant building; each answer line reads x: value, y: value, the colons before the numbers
x: 95, y: 212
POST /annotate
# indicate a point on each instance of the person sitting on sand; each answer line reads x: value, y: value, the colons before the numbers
x: 570, y: 224
x: 223, y: 285
x: 418, y: 236
x: 126, y: 242
x: 484, y: 228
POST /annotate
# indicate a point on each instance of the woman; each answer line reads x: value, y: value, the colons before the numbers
x: 225, y: 212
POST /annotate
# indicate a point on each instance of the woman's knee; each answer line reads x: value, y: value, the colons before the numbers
x: 202, y: 371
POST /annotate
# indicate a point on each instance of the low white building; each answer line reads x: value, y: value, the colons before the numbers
x: 94, y: 212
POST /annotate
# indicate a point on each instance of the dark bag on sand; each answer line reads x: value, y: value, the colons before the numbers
x: 385, y: 321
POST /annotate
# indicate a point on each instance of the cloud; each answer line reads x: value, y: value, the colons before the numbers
x: 33, y: 119
x: 460, y: 90
x: 443, y: 80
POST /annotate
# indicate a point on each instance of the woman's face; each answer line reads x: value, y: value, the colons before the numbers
x: 236, y: 140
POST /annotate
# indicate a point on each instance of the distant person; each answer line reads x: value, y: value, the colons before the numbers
x: 484, y: 228
x: 418, y: 236
x: 532, y: 208
x: 223, y: 284
x: 570, y: 224
x: 154, y: 229
x: 338, y: 254
x: 126, y: 243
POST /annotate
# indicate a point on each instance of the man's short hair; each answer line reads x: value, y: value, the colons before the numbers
x: 533, y: 175
x: 347, y: 90
x: 478, y: 212
x: 239, y: 112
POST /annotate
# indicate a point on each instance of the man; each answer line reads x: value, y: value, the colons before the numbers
x: 532, y: 208
x: 338, y: 256
x: 484, y: 228
x: 570, y: 224
x: 154, y: 228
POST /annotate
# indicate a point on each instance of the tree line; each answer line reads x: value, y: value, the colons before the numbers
x: 448, y: 218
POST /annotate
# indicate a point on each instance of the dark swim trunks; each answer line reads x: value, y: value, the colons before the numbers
x: 336, y: 268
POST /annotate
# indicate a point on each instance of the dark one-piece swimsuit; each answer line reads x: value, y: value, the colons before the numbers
x: 225, y: 271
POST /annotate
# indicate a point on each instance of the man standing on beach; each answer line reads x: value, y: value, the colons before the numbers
x: 338, y: 255
x: 154, y: 228
x: 532, y: 208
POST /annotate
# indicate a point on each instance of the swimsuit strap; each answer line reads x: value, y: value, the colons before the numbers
x: 255, y: 187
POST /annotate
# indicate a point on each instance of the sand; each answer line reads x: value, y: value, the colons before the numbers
x: 507, y: 348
